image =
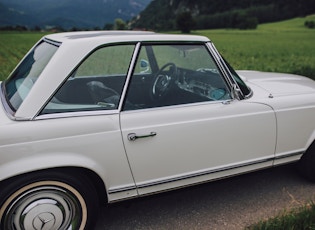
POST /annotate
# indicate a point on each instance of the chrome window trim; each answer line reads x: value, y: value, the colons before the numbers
x: 129, y: 75
x: 217, y: 59
x: 52, y: 42
x: 76, y: 114
x: 10, y: 113
x: 224, y: 102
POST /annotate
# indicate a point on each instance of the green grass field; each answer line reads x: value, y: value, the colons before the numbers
x: 13, y: 46
x: 285, y: 46
x: 296, y: 219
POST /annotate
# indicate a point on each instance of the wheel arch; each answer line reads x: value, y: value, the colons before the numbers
x: 66, y: 196
x: 310, y: 149
x: 310, y: 146
x: 306, y: 163
x: 95, y: 179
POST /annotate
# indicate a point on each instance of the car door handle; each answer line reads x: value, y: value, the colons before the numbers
x: 133, y: 136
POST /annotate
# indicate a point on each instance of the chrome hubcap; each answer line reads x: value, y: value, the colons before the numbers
x: 44, y: 221
x: 43, y: 208
x: 41, y: 214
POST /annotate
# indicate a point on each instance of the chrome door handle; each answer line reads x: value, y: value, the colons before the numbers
x: 133, y: 136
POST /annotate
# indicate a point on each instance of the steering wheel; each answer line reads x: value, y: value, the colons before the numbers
x: 163, y: 81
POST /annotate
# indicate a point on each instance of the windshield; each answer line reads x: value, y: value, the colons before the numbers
x: 19, y: 84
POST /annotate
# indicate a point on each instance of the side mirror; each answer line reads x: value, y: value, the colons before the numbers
x: 144, y: 65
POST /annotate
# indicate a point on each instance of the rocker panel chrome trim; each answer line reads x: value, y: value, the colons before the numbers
x: 203, y: 173
x: 122, y: 189
x: 288, y: 155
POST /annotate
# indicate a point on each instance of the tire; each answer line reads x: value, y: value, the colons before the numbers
x: 306, y: 165
x: 48, y: 200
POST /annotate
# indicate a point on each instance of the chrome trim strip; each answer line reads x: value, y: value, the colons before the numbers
x: 130, y: 72
x: 76, y: 114
x: 10, y: 113
x: 217, y: 58
x: 178, y: 106
x: 204, y: 173
x: 287, y: 155
x: 52, y: 42
x: 122, y: 189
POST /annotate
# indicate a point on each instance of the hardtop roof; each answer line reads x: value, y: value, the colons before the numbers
x: 123, y: 36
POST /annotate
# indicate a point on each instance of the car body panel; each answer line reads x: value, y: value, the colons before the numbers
x: 280, y: 84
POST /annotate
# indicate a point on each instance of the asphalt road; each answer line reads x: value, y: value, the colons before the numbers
x: 232, y: 203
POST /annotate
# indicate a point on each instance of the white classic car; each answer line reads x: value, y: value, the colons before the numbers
x: 92, y: 117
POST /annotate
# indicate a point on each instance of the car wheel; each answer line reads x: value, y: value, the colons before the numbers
x: 48, y: 200
x: 307, y: 162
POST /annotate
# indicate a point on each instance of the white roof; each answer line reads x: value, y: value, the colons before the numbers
x: 117, y: 36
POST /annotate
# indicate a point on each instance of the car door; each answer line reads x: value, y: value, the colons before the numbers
x: 195, y: 132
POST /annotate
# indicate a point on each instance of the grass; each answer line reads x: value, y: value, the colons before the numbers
x: 286, y: 46
x: 13, y: 46
x: 298, y: 219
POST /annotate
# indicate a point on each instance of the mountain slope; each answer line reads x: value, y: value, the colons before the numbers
x: 162, y: 14
x: 68, y: 13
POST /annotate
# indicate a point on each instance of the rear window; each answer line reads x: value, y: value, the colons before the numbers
x: 20, y: 83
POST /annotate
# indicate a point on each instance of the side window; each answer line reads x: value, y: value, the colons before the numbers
x: 26, y: 74
x: 96, y: 84
x: 178, y: 74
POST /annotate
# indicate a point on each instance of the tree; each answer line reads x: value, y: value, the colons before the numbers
x: 185, y: 22
x: 120, y: 24
x: 243, y: 21
x: 21, y: 28
x: 108, y: 26
x: 37, y: 28
x: 249, y: 23
x: 309, y: 24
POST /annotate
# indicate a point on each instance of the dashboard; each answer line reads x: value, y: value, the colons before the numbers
x: 203, y: 82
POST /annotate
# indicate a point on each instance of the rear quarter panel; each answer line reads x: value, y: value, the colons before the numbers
x: 91, y: 142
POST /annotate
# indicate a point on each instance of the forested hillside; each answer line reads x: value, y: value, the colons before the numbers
x: 67, y: 13
x: 208, y: 14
